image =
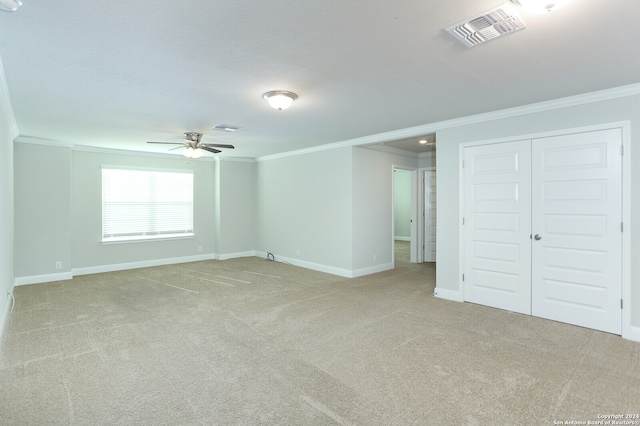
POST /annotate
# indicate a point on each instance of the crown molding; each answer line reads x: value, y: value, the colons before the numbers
x: 586, y: 98
x: 115, y: 151
x: 42, y: 141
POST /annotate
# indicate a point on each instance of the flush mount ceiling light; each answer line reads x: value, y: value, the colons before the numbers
x: 538, y: 5
x: 10, y: 5
x: 280, y: 99
x: 423, y: 142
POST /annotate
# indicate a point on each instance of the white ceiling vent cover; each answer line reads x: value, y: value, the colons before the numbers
x: 491, y: 24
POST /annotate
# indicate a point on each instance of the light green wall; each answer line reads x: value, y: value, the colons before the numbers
x: 304, y: 208
x: 236, y: 209
x: 58, y: 212
x: 86, y: 213
x: 402, y: 204
x: 372, y: 207
x: 42, y: 209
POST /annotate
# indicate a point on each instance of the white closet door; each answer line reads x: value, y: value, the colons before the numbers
x: 430, y: 219
x: 497, y: 214
x: 577, y: 210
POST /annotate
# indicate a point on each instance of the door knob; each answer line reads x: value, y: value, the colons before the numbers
x: 538, y: 237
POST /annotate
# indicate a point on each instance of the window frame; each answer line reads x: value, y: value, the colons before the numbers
x: 136, y: 237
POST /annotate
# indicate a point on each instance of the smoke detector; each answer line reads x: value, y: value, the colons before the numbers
x: 492, y: 24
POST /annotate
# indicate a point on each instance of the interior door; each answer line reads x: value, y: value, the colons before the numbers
x: 430, y: 219
x: 497, y: 225
x: 577, y: 212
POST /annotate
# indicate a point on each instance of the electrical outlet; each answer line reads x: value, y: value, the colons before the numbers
x: 298, y: 253
x: 58, y: 265
x: 199, y: 249
x: 375, y: 258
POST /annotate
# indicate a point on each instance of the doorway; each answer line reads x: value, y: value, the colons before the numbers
x: 405, y: 207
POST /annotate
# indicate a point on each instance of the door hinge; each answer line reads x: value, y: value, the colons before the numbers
x: 621, y: 226
x: 463, y: 220
x: 462, y: 277
x: 621, y: 149
x: 463, y: 164
x: 621, y: 307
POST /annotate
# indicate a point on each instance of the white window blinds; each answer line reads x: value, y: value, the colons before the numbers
x: 141, y: 204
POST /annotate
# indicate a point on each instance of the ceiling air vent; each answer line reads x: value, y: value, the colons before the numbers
x: 491, y: 24
x: 225, y: 128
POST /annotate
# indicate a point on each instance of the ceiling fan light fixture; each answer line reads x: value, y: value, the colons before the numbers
x: 190, y: 152
x: 280, y: 99
x: 10, y: 5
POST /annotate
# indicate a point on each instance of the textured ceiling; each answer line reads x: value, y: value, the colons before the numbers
x: 116, y: 74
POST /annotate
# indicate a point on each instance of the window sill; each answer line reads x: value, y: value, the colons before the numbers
x: 146, y: 238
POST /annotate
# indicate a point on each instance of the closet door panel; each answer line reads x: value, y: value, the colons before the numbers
x: 497, y: 215
x: 577, y: 210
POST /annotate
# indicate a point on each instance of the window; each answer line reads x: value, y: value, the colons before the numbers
x: 143, y: 204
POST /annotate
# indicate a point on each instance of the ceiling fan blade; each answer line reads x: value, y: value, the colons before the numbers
x: 206, y: 148
x: 217, y: 145
x: 170, y: 143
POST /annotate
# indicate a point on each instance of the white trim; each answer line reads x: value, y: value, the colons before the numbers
x: 235, y: 255
x: 629, y: 331
x: 310, y: 265
x: 398, y: 151
x: 118, y: 151
x: 381, y: 267
x: 42, y: 141
x: 422, y: 212
x: 235, y: 159
x: 141, y: 264
x: 633, y: 333
x: 443, y: 293
x: 413, y: 208
x: 585, y: 98
x: 44, y: 278
x: 146, y: 238
x: 4, y: 321
x: 602, y: 95
x: 5, y: 104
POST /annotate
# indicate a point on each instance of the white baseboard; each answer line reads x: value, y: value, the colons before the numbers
x: 142, y: 264
x: 4, y: 320
x: 632, y: 334
x: 347, y: 273
x: 443, y: 293
x: 44, y: 278
x: 310, y: 265
x: 372, y: 270
x: 236, y: 255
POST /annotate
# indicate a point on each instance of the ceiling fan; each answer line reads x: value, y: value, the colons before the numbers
x: 193, y: 145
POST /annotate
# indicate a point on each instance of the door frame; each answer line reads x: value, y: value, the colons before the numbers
x: 421, y: 239
x: 628, y: 331
x: 414, y: 213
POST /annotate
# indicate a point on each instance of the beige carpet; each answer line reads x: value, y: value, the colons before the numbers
x: 247, y: 341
